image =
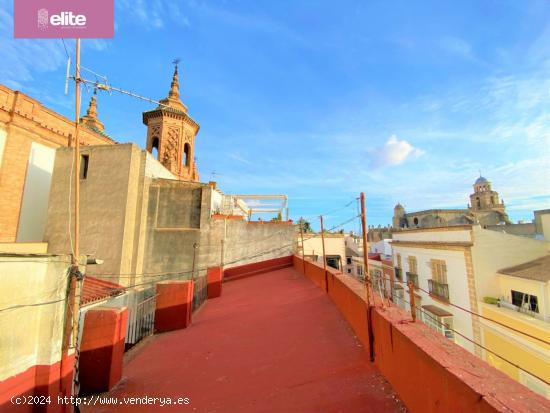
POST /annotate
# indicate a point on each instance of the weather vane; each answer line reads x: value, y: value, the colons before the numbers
x: 176, y: 61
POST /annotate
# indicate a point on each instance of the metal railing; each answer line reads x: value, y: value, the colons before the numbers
x: 141, y: 320
x: 438, y: 289
x: 412, y: 277
x: 200, y: 291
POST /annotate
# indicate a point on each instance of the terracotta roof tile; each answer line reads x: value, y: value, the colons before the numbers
x: 538, y: 270
x: 94, y: 289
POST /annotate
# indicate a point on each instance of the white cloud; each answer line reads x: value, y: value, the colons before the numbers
x: 395, y: 152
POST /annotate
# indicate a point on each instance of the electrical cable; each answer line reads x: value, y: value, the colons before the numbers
x: 477, y: 344
x: 475, y: 314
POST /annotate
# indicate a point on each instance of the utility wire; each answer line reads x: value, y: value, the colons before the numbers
x: 330, y: 212
x: 477, y: 344
x: 475, y: 314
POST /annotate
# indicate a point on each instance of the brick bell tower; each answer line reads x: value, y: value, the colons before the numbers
x: 171, y: 131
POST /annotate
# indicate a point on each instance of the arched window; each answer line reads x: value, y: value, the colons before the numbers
x: 478, y: 202
x: 186, y: 154
x: 155, y: 147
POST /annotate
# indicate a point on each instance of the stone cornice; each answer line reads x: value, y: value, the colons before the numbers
x: 442, y: 245
x: 171, y: 113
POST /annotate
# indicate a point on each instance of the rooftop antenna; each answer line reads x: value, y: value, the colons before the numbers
x: 67, y: 74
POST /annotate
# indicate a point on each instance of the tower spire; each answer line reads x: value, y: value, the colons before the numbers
x: 91, y: 118
x: 173, y: 98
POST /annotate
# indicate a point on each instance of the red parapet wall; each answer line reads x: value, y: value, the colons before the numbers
x: 102, y: 349
x: 222, y: 216
x: 255, y: 268
x: 174, y: 305
x: 289, y: 222
x: 214, y: 277
x: 427, y: 371
x: 41, y: 380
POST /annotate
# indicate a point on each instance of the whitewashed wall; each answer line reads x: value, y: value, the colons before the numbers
x: 34, y: 208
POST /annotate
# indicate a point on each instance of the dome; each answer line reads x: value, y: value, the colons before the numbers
x: 398, y: 207
x: 481, y: 180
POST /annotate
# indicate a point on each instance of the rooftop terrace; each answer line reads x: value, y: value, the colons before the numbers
x: 273, y: 342
x: 279, y: 341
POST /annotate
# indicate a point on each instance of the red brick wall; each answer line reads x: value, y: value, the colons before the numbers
x: 12, y: 180
x: 25, y: 121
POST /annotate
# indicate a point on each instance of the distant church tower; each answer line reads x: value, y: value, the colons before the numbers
x: 484, y: 198
x: 171, y: 131
x: 399, y: 220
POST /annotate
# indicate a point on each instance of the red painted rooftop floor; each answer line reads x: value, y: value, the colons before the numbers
x: 272, y: 343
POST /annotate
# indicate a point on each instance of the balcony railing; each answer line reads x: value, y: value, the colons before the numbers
x: 439, y: 290
x: 399, y: 273
x: 412, y: 277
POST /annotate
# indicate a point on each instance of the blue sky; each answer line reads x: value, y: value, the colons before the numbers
x: 403, y: 100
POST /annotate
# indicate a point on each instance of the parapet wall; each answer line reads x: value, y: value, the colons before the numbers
x: 428, y: 372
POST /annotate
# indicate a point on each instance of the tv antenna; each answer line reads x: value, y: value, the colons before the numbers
x: 102, y: 83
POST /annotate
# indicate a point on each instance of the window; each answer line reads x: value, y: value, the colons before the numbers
x: 84, y: 160
x: 398, y: 296
x: 348, y: 260
x: 155, y: 147
x: 413, y: 265
x: 439, y: 271
x: 443, y: 325
x: 359, y: 270
x: 333, y: 261
x: 415, y: 220
x: 478, y: 202
x: 186, y: 154
x: 525, y: 301
x: 398, y: 260
x: 349, y: 270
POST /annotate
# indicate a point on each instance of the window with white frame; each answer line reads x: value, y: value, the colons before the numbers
x: 443, y: 325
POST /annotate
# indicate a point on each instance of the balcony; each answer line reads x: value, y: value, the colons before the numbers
x: 439, y: 290
x: 412, y: 277
x: 398, y: 273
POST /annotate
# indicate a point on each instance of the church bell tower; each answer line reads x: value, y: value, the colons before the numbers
x: 171, y: 132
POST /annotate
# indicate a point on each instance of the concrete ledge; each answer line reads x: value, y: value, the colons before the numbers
x: 255, y: 268
x: 24, y: 247
x: 174, y: 305
x: 102, y: 349
x: 214, y: 277
x: 429, y: 372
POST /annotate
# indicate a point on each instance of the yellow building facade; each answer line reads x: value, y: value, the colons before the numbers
x: 523, y: 304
